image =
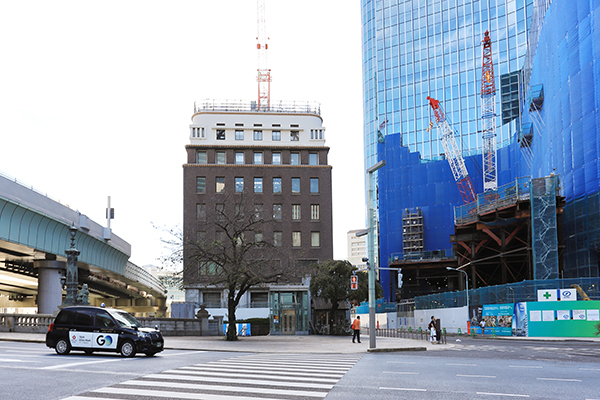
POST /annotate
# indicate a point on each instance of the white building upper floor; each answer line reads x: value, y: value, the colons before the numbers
x: 240, y: 123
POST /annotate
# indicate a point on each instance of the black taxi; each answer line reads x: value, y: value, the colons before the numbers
x: 91, y: 329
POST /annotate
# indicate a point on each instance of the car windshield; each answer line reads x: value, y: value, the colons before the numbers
x: 126, y: 320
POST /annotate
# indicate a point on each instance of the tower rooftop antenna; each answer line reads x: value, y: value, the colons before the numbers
x: 264, y: 74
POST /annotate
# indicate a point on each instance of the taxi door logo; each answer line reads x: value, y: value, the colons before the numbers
x: 102, y: 340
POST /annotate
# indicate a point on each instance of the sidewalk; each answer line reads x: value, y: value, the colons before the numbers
x: 272, y: 344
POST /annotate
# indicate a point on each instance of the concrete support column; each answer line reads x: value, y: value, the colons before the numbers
x: 50, y: 286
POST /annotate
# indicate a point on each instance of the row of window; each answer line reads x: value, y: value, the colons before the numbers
x: 257, y: 135
x: 277, y: 211
x: 315, y: 238
x: 258, y: 158
x: 258, y: 185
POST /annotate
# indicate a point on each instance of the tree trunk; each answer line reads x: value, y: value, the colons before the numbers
x: 332, y: 314
x: 231, y: 327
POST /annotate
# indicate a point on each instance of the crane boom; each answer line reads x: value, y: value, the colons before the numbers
x: 488, y: 117
x: 264, y: 74
x: 453, y: 154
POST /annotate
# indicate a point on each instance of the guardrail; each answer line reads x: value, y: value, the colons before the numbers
x: 418, y: 334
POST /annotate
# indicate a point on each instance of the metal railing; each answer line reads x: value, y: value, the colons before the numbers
x: 417, y: 334
x: 293, y: 107
x: 29, y: 323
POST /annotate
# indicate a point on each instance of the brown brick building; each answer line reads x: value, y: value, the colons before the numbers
x: 277, y: 160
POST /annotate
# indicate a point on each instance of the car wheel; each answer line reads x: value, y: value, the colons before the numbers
x: 128, y: 349
x: 150, y: 353
x: 62, y: 347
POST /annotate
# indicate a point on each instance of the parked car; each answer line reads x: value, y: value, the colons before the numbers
x: 91, y: 329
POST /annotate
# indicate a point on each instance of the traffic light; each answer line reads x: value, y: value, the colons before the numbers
x: 354, y: 282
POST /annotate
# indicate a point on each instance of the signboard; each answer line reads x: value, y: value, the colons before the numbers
x: 563, y: 318
x: 242, y: 329
x: 557, y: 295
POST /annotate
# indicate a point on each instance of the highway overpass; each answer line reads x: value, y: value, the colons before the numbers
x: 34, y: 234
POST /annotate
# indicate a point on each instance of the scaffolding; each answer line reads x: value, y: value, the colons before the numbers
x: 413, y: 231
x: 543, y: 227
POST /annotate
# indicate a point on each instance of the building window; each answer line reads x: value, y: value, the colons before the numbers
x: 296, y: 239
x: 314, y: 212
x: 220, y: 184
x: 201, y: 157
x: 258, y: 237
x: 277, y: 211
x: 296, y: 211
x: 313, y: 159
x: 276, y: 159
x: 239, y: 157
x: 220, y: 134
x: 314, y: 185
x: 295, y: 185
x: 276, y: 185
x: 258, y: 158
x: 277, y: 238
x: 200, y: 236
x: 258, y: 211
x: 315, y: 239
x: 211, y: 300
x: 295, y: 159
x: 258, y: 185
x: 239, y: 184
x: 295, y: 136
x: 220, y: 236
x: 239, y: 135
x: 257, y: 135
x: 221, y: 157
x: 200, y: 184
x: 201, y: 212
x: 276, y: 136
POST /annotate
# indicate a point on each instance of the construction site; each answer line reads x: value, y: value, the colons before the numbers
x: 511, y: 217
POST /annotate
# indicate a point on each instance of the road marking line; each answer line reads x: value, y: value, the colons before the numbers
x: 263, y: 382
x: 524, y: 366
x: 174, y: 395
x: 163, y: 354
x: 476, y: 376
x: 504, y: 394
x: 401, y: 373
x: 407, y: 389
x: 251, y: 375
x: 463, y: 365
x: 559, y: 379
x: 59, y: 366
x: 589, y: 369
x: 400, y: 362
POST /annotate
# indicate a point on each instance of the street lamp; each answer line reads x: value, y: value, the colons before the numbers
x: 467, y: 283
x: 371, y: 252
x: 72, y: 275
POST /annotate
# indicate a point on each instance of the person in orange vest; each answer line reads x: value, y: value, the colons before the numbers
x: 356, y: 329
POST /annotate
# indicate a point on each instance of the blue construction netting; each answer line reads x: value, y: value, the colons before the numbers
x: 525, y: 291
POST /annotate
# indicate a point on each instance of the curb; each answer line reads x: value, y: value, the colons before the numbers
x: 389, y: 350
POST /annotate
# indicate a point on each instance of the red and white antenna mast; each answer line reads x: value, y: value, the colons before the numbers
x: 488, y: 116
x: 264, y: 74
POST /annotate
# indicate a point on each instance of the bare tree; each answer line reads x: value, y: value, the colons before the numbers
x: 235, y: 252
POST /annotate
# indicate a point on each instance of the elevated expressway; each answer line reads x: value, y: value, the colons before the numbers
x: 34, y: 234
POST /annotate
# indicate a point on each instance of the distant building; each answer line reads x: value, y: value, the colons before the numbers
x: 357, y: 247
x: 279, y: 158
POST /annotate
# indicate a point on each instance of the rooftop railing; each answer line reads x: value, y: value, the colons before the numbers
x: 293, y: 107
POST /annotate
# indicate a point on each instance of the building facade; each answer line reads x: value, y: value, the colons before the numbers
x: 545, y: 63
x: 357, y: 247
x: 278, y: 160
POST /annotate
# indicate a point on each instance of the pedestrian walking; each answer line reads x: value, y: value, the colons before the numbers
x: 431, y: 327
x: 482, y: 324
x: 356, y: 329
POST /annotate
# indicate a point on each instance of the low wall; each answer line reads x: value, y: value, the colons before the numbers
x: 39, y: 323
x: 27, y: 323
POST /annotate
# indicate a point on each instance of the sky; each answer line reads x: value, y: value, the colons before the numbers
x: 96, y: 99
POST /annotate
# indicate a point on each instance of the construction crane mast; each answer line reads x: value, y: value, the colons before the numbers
x: 264, y: 74
x: 488, y: 116
x: 453, y: 154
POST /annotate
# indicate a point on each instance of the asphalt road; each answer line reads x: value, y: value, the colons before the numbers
x: 470, y: 369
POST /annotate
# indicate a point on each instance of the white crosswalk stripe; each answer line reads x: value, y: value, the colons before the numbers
x: 254, y: 377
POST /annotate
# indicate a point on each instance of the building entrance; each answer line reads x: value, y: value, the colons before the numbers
x: 288, y: 326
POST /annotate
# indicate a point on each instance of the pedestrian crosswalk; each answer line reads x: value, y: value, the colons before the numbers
x: 250, y: 377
